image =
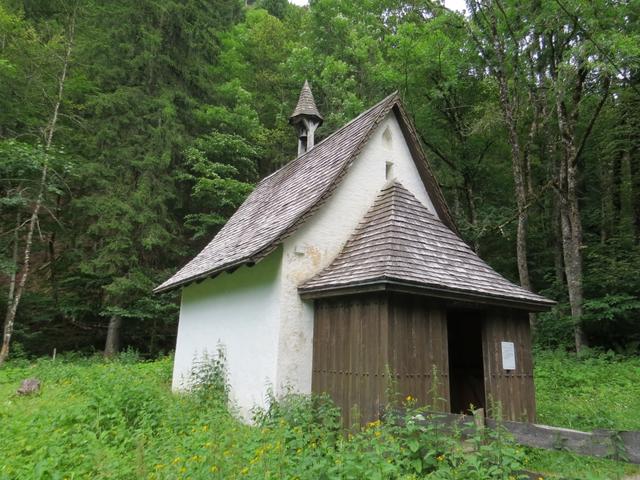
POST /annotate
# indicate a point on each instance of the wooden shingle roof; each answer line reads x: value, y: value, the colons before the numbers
x: 281, y: 202
x: 306, y: 105
x: 400, y: 244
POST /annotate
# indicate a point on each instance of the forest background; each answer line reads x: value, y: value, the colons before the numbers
x: 131, y: 131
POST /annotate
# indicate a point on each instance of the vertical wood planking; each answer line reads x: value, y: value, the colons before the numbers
x: 356, y: 337
x: 513, y: 389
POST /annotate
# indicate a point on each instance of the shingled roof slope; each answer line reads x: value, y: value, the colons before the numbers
x: 283, y: 200
x: 400, y: 240
x: 306, y: 104
x: 280, y: 200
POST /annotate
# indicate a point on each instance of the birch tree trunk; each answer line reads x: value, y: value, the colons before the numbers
x: 12, y: 306
x: 112, y: 343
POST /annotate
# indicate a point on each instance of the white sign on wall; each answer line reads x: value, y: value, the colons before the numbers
x: 508, y: 356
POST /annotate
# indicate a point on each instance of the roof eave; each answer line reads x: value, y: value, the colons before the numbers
x: 203, y: 276
x: 384, y: 284
x: 294, y: 118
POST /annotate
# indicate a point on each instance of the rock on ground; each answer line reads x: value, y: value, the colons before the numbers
x: 29, y: 386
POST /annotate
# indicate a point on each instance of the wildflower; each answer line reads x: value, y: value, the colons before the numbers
x: 374, y: 424
x: 214, y: 469
x: 440, y: 458
x: 409, y: 398
x: 244, y: 471
x: 183, y: 469
x: 205, y: 428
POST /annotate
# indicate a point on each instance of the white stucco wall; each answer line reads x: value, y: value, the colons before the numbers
x: 240, y: 311
x: 322, y: 237
x: 257, y: 314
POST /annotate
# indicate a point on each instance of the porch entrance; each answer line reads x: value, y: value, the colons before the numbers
x: 466, y: 370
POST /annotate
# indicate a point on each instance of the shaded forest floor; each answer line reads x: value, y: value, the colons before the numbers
x: 93, y: 418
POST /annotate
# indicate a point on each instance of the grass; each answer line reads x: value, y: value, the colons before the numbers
x: 118, y: 420
x: 599, y: 391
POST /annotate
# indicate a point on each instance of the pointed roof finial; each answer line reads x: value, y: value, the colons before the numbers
x: 306, y: 107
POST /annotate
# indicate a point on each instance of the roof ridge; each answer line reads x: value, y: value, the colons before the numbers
x: 332, y: 134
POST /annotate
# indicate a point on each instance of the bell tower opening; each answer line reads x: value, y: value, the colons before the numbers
x: 306, y: 119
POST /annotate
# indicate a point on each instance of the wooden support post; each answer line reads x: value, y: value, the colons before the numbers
x: 478, y: 418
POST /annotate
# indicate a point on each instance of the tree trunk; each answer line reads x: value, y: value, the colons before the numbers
x: 558, y: 260
x: 517, y: 159
x: 626, y: 226
x: 571, y: 223
x: 473, y: 214
x: 112, y: 345
x: 12, y: 307
x: 607, y: 212
x: 520, y: 183
x: 9, y: 318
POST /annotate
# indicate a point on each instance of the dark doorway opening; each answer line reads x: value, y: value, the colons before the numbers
x: 466, y: 371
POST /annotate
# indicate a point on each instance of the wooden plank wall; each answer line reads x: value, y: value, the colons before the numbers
x: 358, y: 339
x: 417, y: 346
x: 349, y: 344
x: 514, y: 389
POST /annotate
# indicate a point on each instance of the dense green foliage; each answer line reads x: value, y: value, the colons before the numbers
x: 172, y: 110
x: 598, y: 391
x: 118, y: 419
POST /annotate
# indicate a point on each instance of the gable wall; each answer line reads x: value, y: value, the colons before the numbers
x: 240, y: 311
x: 313, y: 246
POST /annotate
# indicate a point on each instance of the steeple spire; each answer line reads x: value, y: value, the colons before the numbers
x: 306, y: 118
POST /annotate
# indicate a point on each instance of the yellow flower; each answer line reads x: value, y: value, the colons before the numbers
x: 183, y: 469
x: 374, y: 424
x: 377, y: 434
x: 440, y: 458
x: 299, y: 451
x: 176, y: 460
x: 244, y: 471
x: 214, y: 469
x: 540, y: 478
x: 205, y: 428
x: 409, y: 398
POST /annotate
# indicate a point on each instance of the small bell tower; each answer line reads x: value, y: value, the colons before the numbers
x: 306, y: 119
